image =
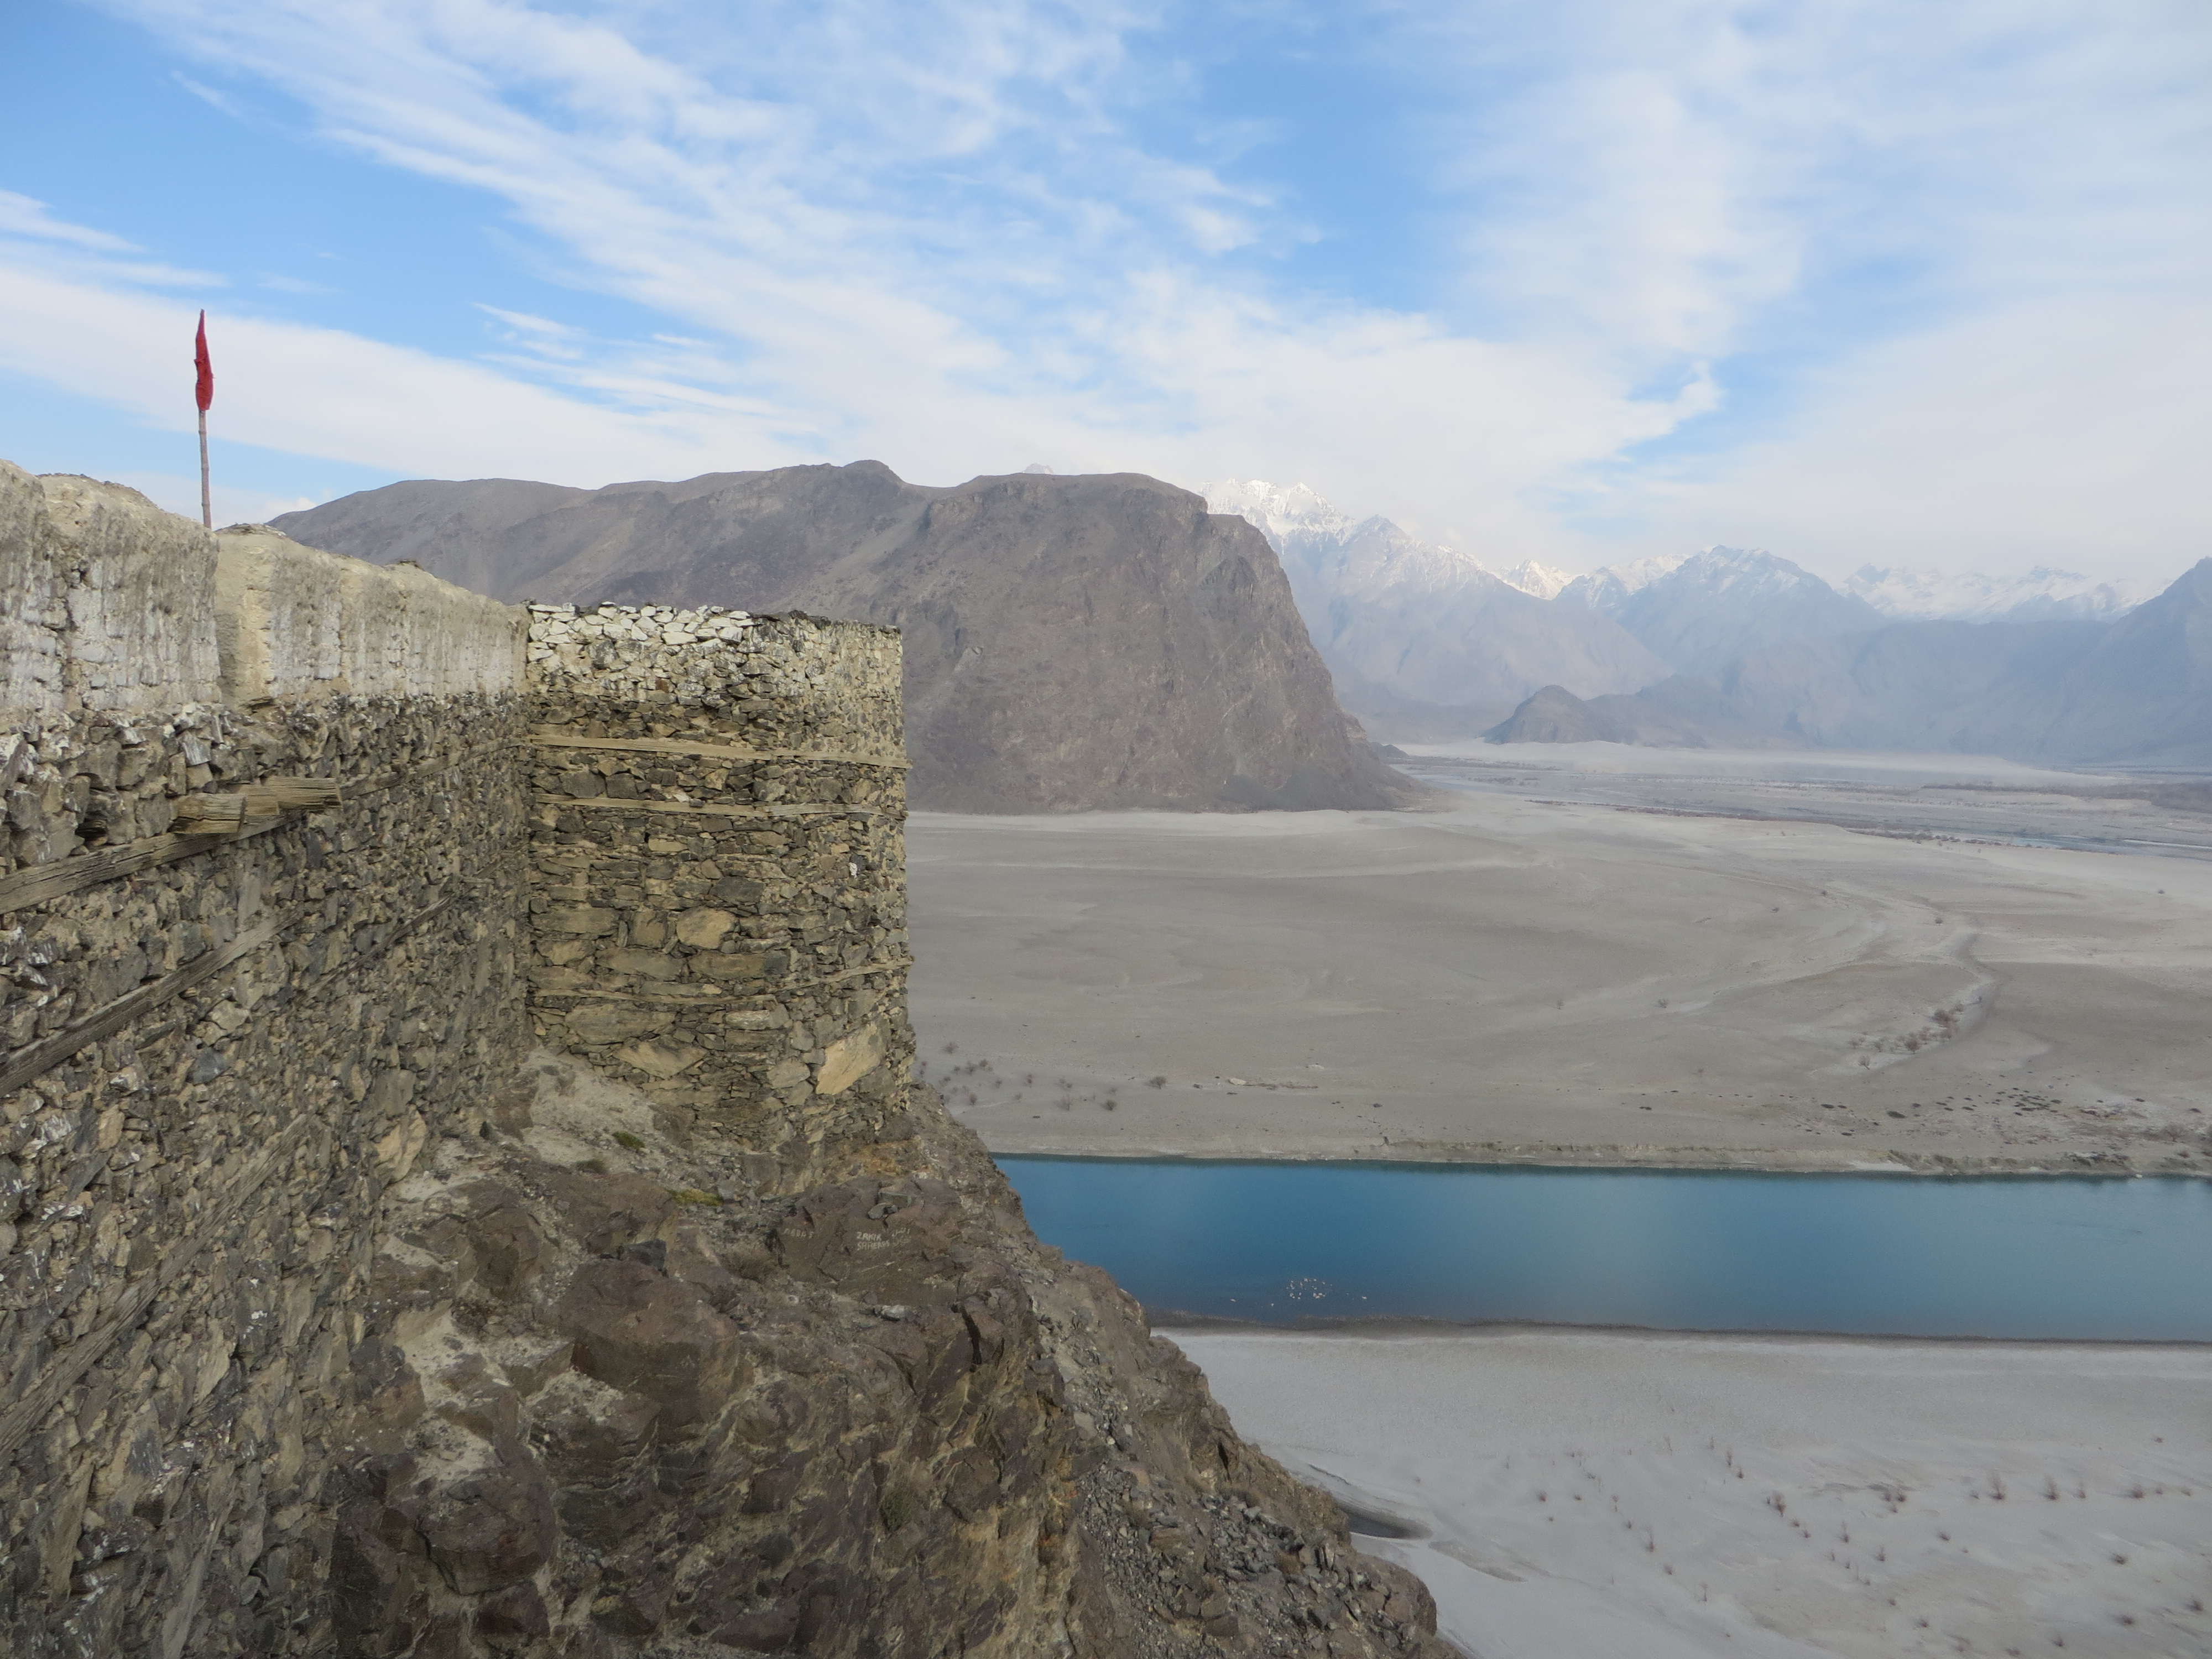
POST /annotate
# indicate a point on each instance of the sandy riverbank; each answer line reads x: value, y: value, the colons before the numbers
x: 1510, y: 980
x: 1593, y: 1495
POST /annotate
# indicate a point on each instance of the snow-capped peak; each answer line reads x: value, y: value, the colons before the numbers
x: 1276, y: 511
x: 1314, y: 538
x: 2040, y: 593
x: 1607, y: 588
x: 1747, y: 568
x: 1713, y: 569
x: 1538, y: 581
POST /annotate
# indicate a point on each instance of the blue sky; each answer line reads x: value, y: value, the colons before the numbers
x: 1577, y: 281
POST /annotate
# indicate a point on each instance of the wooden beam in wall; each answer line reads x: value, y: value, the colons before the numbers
x: 709, y: 751
x: 696, y: 808
x: 37, y: 1059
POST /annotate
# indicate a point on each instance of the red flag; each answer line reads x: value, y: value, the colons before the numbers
x: 204, y: 391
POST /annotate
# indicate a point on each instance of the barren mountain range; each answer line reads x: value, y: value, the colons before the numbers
x: 1070, y: 643
x: 1731, y: 647
x: 1107, y: 641
x: 2136, y: 691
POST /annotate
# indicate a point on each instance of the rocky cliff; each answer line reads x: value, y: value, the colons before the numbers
x: 1071, y: 643
x: 618, y: 1401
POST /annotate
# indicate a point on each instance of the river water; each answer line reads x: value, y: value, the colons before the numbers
x: 1293, y: 1243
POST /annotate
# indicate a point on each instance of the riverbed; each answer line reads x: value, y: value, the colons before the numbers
x: 1508, y: 979
x: 1614, y: 1495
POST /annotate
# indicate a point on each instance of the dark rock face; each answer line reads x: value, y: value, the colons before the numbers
x: 870, y: 1417
x: 1071, y: 643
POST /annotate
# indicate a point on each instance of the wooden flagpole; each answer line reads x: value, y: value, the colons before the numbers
x: 204, y: 395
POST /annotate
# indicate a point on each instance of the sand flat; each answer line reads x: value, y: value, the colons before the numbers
x: 1561, y: 981
x: 1598, y: 1495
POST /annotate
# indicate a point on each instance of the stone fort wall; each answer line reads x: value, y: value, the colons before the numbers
x: 717, y: 889
x: 300, y: 856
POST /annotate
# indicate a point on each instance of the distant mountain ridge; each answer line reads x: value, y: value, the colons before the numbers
x: 2134, y: 691
x: 1111, y: 640
x: 2040, y: 595
x: 1736, y: 645
x: 1538, y: 581
x: 1422, y: 637
x: 1071, y: 643
x: 1296, y: 517
x: 1702, y: 611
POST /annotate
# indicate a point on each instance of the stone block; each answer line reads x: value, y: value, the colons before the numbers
x: 704, y: 929
x: 646, y: 964
x: 583, y: 920
x: 660, y: 1059
x: 599, y: 1023
x: 849, y: 1059
x: 492, y: 1528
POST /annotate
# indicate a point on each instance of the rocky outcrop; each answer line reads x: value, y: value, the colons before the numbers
x: 1071, y: 643
x: 1553, y: 714
x: 616, y: 1399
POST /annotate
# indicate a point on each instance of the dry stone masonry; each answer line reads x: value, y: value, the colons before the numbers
x: 718, y: 893
x: 228, y: 1032
x: 460, y: 1190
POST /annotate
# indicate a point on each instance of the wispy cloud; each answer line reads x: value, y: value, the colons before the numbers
x: 20, y: 215
x: 962, y: 234
x: 209, y: 95
x: 32, y: 238
x: 327, y: 392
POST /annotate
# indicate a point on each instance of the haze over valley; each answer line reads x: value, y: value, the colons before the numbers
x: 1736, y: 648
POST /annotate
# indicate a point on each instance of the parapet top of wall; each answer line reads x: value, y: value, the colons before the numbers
x: 294, y: 621
x: 106, y: 601
x: 806, y: 678
x: 109, y: 604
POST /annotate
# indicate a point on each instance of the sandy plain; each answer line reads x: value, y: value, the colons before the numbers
x: 1585, y: 955
x: 1600, y: 1495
